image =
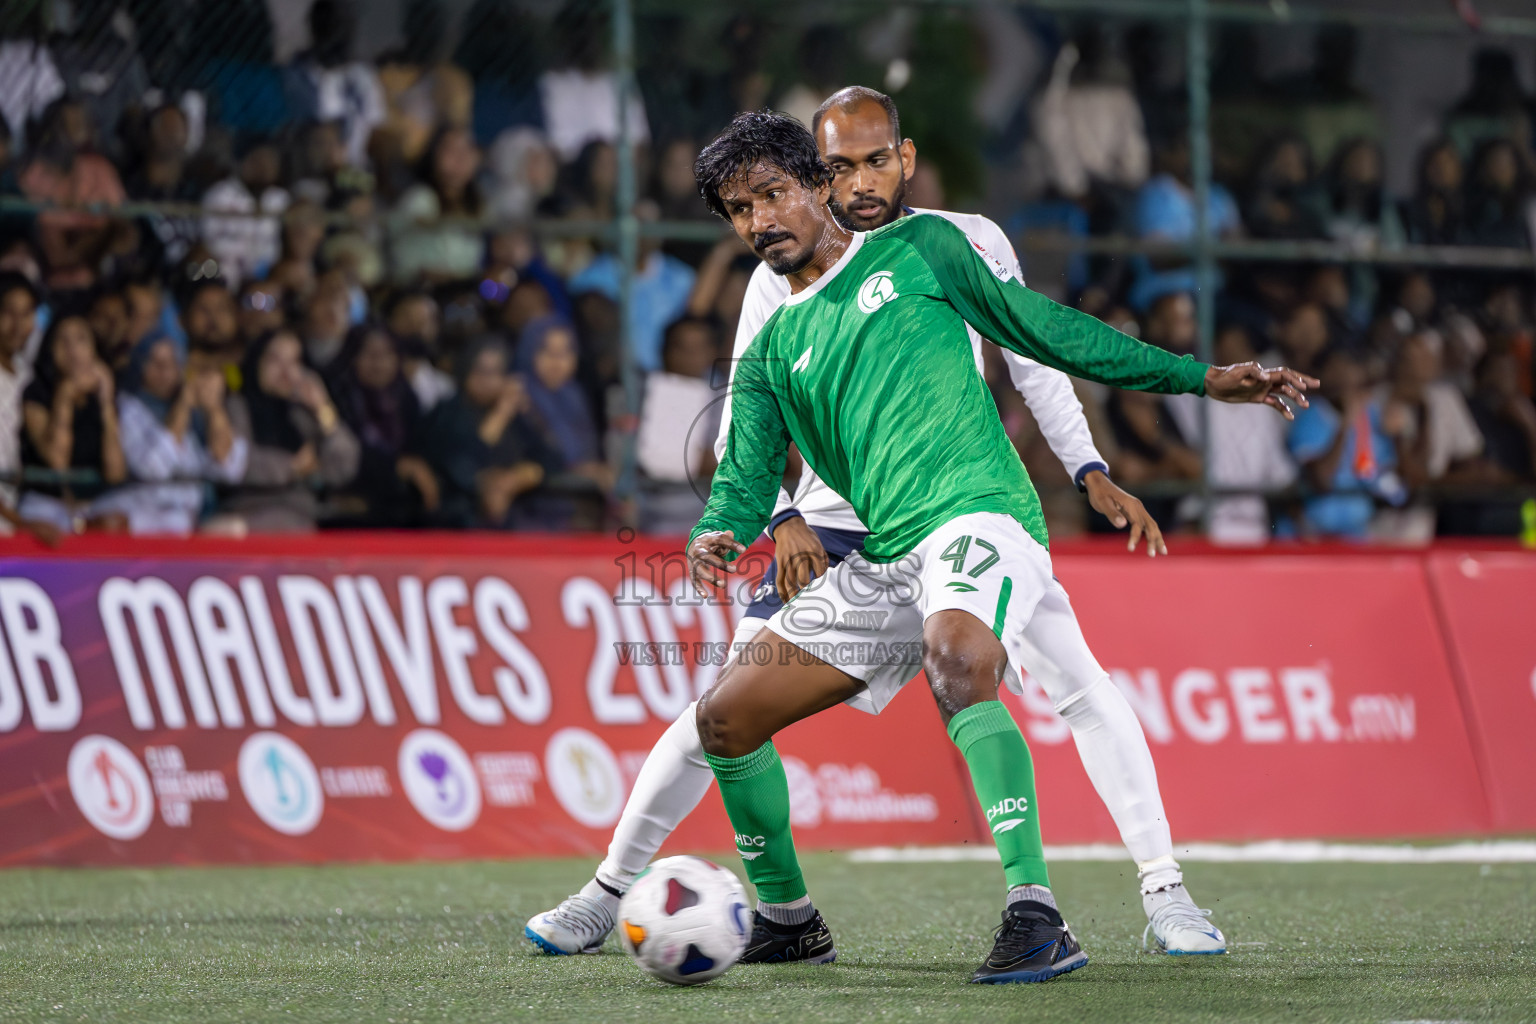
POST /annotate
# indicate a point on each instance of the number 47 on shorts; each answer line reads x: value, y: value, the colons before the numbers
x: 957, y: 552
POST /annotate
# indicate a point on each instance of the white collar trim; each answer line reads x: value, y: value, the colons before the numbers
x: 832, y: 271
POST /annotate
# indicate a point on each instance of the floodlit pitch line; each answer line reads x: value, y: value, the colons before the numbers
x: 1272, y: 852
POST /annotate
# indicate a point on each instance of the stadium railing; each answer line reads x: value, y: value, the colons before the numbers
x: 162, y: 43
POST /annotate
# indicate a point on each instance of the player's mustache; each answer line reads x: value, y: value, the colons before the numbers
x: 868, y: 203
x: 765, y: 240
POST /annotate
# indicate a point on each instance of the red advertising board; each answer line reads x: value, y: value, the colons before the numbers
x: 1488, y: 601
x: 390, y: 705
x: 1296, y: 696
x: 379, y: 697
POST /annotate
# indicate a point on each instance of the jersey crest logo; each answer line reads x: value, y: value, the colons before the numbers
x: 876, y: 291
x: 803, y: 361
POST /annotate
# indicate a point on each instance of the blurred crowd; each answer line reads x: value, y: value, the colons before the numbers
x: 334, y: 310
x: 1425, y: 422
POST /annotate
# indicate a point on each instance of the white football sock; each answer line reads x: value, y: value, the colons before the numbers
x: 670, y: 785
x: 1162, y: 873
x: 594, y: 890
x: 1119, y: 764
x: 1109, y: 737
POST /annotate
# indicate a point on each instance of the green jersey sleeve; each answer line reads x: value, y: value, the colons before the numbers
x: 746, y: 483
x: 1000, y: 308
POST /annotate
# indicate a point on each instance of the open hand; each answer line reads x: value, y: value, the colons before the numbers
x: 706, y: 559
x: 1124, y: 509
x: 1250, y: 382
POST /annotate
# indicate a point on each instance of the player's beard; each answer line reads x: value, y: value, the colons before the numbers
x: 890, y: 210
x: 782, y: 261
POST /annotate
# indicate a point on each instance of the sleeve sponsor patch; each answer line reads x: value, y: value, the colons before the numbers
x: 999, y: 271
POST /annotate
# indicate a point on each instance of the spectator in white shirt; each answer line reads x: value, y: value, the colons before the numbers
x: 1089, y: 123
x: 524, y: 172
x: 580, y: 99
x: 679, y: 420
x: 18, y: 317
x: 29, y: 81
x: 103, y: 72
x: 436, y: 235
x: 177, y: 440
x: 1245, y: 451
x: 1437, y: 438
x: 414, y: 318
x: 246, y: 246
x: 325, y: 83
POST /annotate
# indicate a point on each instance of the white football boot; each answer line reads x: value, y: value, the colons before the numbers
x: 578, y: 925
x: 1179, y: 926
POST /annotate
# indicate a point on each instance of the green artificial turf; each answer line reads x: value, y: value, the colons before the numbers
x: 443, y: 942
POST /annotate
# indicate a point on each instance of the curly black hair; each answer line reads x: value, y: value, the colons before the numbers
x: 758, y: 137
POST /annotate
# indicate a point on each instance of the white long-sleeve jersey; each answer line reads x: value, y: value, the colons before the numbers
x: 1047, y: 391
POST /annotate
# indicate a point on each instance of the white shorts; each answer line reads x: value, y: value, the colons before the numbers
x: 746, y: 630
x: 866, y: 618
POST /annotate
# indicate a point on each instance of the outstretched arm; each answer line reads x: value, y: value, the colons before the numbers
x: 988, y: 296
x: 993, y: 301
x: 1047, y: 391
x: 1053, y: 402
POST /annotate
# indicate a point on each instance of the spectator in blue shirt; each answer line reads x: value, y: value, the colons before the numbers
x: 1165, y: 211
x: 660, y: 293
x: 1347, y: 456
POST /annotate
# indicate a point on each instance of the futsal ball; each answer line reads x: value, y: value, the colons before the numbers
x: 684, y: 920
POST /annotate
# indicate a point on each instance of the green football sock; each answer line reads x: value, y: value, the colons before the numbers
x: 756, y: 797
x: 1004, y: 777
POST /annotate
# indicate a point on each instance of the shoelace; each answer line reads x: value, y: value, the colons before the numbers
x: 1018, y: 933
x: 1176, y: 912
x: 583, y: 915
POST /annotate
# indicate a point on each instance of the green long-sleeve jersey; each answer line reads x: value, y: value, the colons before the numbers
x: 870, y: 372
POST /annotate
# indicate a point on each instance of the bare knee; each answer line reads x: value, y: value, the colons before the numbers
x: 963, y: 666
x: 959, y: 679
x: 723, y: 730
